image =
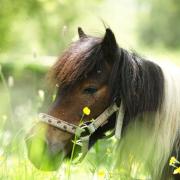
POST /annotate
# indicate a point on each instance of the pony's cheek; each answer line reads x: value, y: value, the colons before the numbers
x: 98, y: 103
x: 103, y: 93
x: 101, y: 98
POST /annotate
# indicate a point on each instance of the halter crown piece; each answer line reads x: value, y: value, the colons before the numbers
x: 85, y: 131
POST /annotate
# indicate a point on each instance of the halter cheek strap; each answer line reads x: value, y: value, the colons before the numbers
x: 85, y: 131
x: 119, y: 122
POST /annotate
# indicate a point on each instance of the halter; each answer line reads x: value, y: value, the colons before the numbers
x: 85, y: 131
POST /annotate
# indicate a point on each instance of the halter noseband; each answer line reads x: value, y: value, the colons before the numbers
x: 85, y: 131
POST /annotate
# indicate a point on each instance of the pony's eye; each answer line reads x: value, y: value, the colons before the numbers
x: 90, y: 90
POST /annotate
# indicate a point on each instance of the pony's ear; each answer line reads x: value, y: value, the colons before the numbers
x: 81, y: 33
x: 109, y: 45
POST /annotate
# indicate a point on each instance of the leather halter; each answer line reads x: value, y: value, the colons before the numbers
x: 85, y: 131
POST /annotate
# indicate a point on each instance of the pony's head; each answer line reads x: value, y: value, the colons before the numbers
x: 84, y: 76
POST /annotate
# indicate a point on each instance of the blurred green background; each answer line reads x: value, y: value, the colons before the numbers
x: 34, y: 32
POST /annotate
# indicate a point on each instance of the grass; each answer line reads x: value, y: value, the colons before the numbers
x: 16, y: 166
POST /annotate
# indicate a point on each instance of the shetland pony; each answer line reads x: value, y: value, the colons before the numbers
x: 96, y: 72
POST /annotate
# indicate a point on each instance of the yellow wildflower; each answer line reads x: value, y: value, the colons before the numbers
x: 177, y: 171
x: 86, y: 111
x: 172, y: 161
x: 101, y: 173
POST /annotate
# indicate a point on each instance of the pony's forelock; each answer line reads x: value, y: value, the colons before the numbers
x: 80, y: 59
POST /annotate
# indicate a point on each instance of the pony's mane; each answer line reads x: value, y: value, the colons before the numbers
x: 137, y: 82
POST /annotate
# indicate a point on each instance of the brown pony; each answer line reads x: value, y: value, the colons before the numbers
x: 95, y: 72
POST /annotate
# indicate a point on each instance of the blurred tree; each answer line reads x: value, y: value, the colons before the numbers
x: 11, y: 13
x: 44, y: 26
x: 159, y: 22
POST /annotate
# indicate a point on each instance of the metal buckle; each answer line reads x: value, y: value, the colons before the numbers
x: 86, y: 131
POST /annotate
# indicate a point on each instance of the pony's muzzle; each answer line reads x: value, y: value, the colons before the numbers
x: 43, y: 153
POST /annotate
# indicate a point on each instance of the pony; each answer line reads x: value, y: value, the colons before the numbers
x: 97, y: 73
